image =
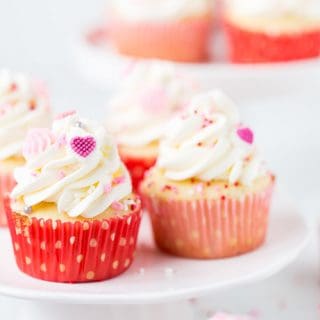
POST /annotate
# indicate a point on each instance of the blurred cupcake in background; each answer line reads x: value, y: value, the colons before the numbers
x: 23, y: 105
x: 72, y: 215
x: 209, y: 193
x: 272, y: 30
x: 177, y: 30
x: 138, y: 114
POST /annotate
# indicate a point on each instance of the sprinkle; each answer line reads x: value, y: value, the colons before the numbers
x: 13, y: 87
x: 83, y: 146
x: 223, y: 198
x: 79, y: 124
x: 236, y: 184
x: 116, y: 205
x: 62, y: 140
x: 246, y: 134
x: 199, y: 144
x: 119, y: 180
x: 61, y: 174
x: 65, y: 114
x: 206, y: 122
x: 129, y: 204
x: 199, y: 188
x: 27, y: 209
x: 107, y: 188
x: 167, y: 187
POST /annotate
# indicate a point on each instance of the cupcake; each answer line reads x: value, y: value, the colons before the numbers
x: 272, y: 30
x: 23, y: 105
x: 139, y: 112
x: 209, y: 193
x: 172, y: 30
x: 72, y: 215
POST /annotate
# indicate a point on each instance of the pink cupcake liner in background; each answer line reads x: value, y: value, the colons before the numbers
x: 209, y: 229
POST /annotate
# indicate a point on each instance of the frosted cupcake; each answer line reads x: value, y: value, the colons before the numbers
x: 173, y: 30
x: 72, y: 215
x: 139, y: 112
x: 209, y: 194
x: 23, y: 105
x: 272, y: 30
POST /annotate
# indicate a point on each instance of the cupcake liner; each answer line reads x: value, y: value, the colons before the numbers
x: 137, y: 168
x: 208, y: 229
x: 186, y: 40
x: 80, y: 251
x: 254, y: 47
x: 7, y: 183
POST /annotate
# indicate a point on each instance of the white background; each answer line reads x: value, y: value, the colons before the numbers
x: 36, y: 37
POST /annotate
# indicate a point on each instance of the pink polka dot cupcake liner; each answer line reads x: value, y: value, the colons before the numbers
x: 7, y: 183
x: 72, y: 252
x: 210, y: 229
x: 186, y: 40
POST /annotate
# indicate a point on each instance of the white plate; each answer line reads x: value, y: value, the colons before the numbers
x: 166, y: 278
x: 103, y: 66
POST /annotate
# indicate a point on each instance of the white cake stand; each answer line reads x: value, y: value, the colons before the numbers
x: 156, y: 282
x: 99, y: 63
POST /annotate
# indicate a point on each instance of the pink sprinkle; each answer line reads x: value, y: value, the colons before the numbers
x: 4, y: 109
x: 62, y: 141
x: 199, y: 188
x: 65, y: 114
x: 61, y: 174
x: 116, y: 205
x: 34, y: 174
x: 119, y: 180
x: 167, y: 187
x: 83, y: 146
x: 206, y: 122
x: 246, y: 135
x: 107, y: 188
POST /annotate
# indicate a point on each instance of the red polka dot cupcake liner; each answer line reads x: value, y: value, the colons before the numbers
x: 210, y: 229
x: 186, y: 40
x: 257, y: 47
x: 72, y: 252
x: 137, y: 168
x: 7, y: 183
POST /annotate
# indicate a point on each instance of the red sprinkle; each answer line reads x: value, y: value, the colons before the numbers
x: 236, y: 184
x: 223, y: 198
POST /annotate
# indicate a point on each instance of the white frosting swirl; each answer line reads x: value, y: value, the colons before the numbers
x: 23, y: 105
x: 151, y: 93
x: 208, y: 143
x: 155, y: 10
x: 80, y: 171
x: 275, y: 8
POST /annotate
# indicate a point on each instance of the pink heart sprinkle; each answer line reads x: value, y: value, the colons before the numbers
x: 83, y: 146
x: 246, y: 135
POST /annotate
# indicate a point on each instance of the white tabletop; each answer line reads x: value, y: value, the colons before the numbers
x: 285, y: 113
